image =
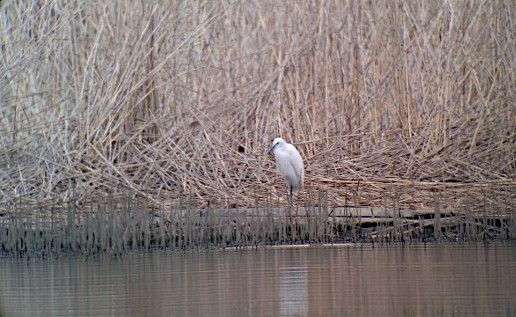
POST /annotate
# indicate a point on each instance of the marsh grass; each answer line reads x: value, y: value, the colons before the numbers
x: 117, y: 225
x: 120, y: 224
x: 388, y: 102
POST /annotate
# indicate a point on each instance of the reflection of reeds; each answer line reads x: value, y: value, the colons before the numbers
x: 117, y: 225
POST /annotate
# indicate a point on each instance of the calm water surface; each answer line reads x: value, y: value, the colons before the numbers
x: 355, y: 280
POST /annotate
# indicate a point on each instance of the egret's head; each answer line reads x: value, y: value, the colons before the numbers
x: 275, y: 143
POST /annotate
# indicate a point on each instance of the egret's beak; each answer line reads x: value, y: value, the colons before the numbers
x: 272, y: 149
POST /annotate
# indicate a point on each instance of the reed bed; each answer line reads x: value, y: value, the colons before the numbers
x: 391, y: 104
x: 117, y: 225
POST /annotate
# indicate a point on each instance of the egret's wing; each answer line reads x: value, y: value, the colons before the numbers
x: 299, y: 170
x: 297, y: 166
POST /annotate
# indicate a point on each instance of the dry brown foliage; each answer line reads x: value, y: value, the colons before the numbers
x: 388, y: 102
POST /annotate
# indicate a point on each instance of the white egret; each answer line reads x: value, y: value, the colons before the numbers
x: 289, y: 164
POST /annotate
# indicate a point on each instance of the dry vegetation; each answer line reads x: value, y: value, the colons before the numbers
x: 389, y: 102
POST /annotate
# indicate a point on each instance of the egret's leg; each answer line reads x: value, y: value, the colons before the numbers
x: 291, y: 201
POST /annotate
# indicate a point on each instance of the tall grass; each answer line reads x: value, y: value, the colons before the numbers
x: 383, y: 98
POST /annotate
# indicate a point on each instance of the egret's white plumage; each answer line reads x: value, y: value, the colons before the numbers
x: 289, y: 164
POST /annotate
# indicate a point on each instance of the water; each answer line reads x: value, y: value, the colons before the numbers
x: 352, y: 280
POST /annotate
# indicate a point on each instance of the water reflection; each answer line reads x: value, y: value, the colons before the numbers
x: 293, y: 290
x: 432, y: 280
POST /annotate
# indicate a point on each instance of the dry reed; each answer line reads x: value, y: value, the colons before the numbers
x: 387, y: 101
